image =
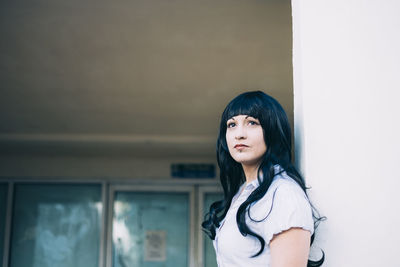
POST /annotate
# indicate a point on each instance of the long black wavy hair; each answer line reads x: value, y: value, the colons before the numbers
x: 277, y: 136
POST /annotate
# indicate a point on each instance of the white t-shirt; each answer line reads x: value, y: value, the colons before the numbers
x: 285, y: 205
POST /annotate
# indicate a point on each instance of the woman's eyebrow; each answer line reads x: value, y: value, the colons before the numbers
x: 251, y: 117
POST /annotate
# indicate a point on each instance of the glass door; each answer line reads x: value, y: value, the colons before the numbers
x: 150, y: 226
x: 56, y: 225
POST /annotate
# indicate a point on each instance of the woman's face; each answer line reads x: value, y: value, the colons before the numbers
x: 245, y: 139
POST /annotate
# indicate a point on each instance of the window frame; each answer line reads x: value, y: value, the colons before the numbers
x: 195, y: 187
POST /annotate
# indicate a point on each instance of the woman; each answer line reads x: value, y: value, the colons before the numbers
x: 265, y: 218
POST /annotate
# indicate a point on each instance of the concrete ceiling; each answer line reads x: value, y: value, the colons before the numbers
x: 134, y: 77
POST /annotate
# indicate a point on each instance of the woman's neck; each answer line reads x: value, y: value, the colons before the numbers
x: 250, y: 171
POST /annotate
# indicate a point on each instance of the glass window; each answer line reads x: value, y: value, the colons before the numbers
x: 151, y: 229
x: 56, y: 225
x: 208, y: 248
x: 3, y: 208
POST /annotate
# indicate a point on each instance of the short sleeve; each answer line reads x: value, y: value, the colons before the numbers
x: 290, y: 208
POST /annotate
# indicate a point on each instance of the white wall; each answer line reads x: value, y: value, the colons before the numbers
x: 346, y: 62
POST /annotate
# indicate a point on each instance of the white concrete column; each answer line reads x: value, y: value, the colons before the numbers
x: 346, y: 60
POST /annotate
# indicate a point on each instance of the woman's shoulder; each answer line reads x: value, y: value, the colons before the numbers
x: 284, y: 206
x: 284, y: 184
x: 282, y: 189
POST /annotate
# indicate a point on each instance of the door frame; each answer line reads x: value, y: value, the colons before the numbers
x: 202, y: 190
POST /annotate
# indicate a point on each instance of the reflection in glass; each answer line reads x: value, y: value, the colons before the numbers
x: 56, y: 225
x: 3, y: 208
x: 151, y: 229
x: 209, y: 252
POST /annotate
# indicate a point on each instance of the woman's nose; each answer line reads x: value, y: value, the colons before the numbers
x: 240, y: 133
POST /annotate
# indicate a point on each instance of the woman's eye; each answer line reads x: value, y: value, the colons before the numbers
x: 231, y: 124
x: 253, y: 123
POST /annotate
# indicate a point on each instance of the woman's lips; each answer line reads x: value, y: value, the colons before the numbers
x: 241, y: 146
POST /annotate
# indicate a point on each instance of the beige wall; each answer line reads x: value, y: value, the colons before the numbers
x: 104, y: 168
x: 136, y: 76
